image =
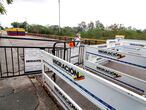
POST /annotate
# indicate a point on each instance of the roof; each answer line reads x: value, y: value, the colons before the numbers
x: 16, y: 29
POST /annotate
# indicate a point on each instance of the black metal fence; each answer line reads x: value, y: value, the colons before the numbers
x: 12, y: 59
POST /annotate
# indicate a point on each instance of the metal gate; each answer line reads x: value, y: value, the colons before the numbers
x: 12, y: 58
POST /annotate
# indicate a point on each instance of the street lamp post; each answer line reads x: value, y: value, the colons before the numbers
x: 59, y: 16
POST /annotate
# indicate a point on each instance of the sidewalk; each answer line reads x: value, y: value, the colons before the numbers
x: 23, y: 93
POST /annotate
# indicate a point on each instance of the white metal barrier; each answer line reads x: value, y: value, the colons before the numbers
x: 133, y: 83
x: 59, y: 94
x: 130, y: 60
x: 98, y: 90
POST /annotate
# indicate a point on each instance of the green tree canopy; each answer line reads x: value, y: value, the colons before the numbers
x: 2, y: 8
x: 87, y: 30
x: 20, y: 25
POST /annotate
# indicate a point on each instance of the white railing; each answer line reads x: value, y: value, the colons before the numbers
x: 133, y: 83
x: 98, y: 90
x: 59, y: 94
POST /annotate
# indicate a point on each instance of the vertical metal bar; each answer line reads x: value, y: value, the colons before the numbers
x: 58, y: 53
x: 24, y: 59
x: 48, y: 52
x: 53, y: 52
x: 70, y: 55
x: 1, y: 70
x: 12, y: 60
x: 6, y: 61
x: 61, y: 54
x: 54, y: 77
x: 64, y: 50
x: 18, y: 60
x: 79, y: 57
x: 67, y: 55
x: 83, y: 54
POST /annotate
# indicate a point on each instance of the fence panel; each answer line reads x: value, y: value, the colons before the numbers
x: 12, y: 59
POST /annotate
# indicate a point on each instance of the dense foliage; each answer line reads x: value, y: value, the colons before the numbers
x: 2, y: 8
x: 91, y: 30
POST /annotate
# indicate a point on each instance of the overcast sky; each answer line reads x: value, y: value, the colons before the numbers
x: 44, y: 12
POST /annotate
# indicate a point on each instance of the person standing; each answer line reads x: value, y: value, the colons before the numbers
x: 77, y: 39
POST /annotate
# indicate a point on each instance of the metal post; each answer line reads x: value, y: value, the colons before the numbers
x: 18, y: 60
x: 12, y: 60
x: 6, y: 60
x: 64, y: 50
x: 53, y: 52
x: 1, y: 70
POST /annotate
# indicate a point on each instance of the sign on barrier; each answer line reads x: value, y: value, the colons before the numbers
x: 32, y: 59
x: 108, y: 72
x: 71, y: 71
x: 111, y: 53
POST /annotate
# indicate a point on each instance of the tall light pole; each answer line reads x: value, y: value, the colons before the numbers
x: 26, y: 28
x: 59, y: 16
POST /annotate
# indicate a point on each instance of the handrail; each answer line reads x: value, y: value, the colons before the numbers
x: 22, y: 38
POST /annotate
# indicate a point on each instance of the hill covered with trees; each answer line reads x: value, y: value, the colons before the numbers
x: 87, y: 30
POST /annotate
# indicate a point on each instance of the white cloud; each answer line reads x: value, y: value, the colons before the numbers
x: 127, y: 12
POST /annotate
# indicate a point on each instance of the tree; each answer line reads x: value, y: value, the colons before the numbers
x: 100, y: 32
x: 35, y: 28
x: 23, y: 25
x: 99, y: 25
x: 15, y: 24
x: 2, y: 8
x: 1, y: 28
x: 114, y: 27
x: 82, y: 26
x: 20, y: 25
x: 91, y: 25
x: 144, y: 30
x: 54, y: 29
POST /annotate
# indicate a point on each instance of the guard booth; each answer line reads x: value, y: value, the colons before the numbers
x: 15, y: 31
